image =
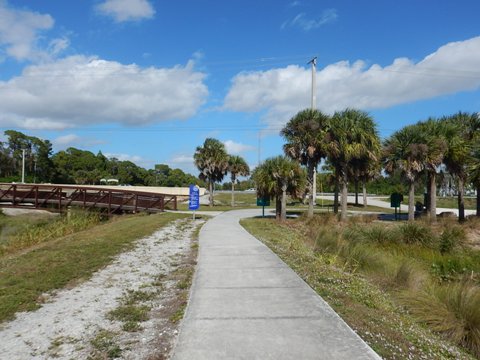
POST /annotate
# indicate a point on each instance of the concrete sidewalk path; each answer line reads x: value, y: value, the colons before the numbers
x: 246, y: 303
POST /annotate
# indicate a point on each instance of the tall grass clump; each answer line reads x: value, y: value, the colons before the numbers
x: 359, y: 255
x: 452, y: 310
x: 414, y: 233
x: 451, y: 238
x: 327, y: 240
x: 378, y: 234
x: 38, y: 232
x: 409, y: 275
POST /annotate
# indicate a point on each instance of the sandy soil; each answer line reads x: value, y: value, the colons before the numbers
x: 71, y: 320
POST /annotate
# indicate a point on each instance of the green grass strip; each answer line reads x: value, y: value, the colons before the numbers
x: 69, y: 259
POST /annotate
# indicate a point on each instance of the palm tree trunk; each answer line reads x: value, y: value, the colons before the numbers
x: 433, y: 196
x: 461, y: 200
x: 364, y: 186
x: 311, y: 174
x: 278, y: 207
x: 283, y: 216
x: 343, y: 215
x: 428, y: 205
x: 233, y: 193
x: 411, y: 201
x: 335, y: 196
x: 210, y: 196
x: 478, y: 201
x: 356, y: 192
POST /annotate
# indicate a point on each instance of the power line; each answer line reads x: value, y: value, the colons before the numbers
x: 110, y: 69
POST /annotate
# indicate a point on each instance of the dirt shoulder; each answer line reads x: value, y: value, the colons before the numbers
x: 130, y: 309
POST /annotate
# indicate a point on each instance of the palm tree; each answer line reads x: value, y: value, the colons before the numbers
x: 305, y: 135
x: 237, y: 166
x: 363, y: 170
x: 461, y: 129
x: 351, y: 136
x: 276, y: 177
x: 432, y: 134
x: 212, y: 161
x: 474, y: 173
x: 405, y: 153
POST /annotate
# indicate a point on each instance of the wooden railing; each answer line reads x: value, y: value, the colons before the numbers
x: 59, y: 197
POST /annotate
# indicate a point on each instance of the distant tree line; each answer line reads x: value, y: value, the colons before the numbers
x: 75, y: 166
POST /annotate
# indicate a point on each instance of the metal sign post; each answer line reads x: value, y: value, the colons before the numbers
x: 263, y: 202
x: 396, y: 201
x: 194, y: 199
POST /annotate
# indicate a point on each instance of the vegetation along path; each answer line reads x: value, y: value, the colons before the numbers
x: 127, y: 310
x: 248, y: 304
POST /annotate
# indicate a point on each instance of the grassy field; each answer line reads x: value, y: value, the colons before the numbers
x: 244, y: 200
x: 410, y: 290
x: 452, y: 202
x: 29, y: 271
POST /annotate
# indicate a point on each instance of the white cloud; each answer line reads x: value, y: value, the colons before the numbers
x: 237, y: 148
x: 81, y: 90
x: 303, y: 22
x: 19, y: 32
x: 184, y: 162
x: 67, y: 140
x: 285, y: 91
x: 294, y: 4
x: 72, y: 140
x: 126, y: 10
x: 182, y: 159
x: 56, y: 46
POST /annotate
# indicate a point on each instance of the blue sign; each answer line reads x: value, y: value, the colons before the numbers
x: 194, y: 198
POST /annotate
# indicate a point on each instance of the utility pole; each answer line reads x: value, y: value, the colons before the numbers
x: 314, y: 105
x: 314, y: 82
x: 23, y: 166
x: 259, y: 146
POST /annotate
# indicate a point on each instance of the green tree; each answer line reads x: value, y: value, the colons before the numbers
x: 305, y: 135
x: 73, y: 165
x: 404, y: 152
x: 460, y: 131
x: 162, y: 172
x: 474, y: 173
x: 211, y: 159
x: 44, y: 169
x: 237, y: 166
x: 432, y: 135
x: 276, y: 177
x: 38, y: 163
x: 352, y: 136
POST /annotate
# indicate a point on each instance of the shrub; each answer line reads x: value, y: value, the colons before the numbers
x: 447, y: 267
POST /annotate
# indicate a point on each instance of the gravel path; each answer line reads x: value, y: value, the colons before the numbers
x: 68, y: 321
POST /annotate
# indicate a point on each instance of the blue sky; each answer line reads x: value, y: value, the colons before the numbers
x: 149, y: 80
